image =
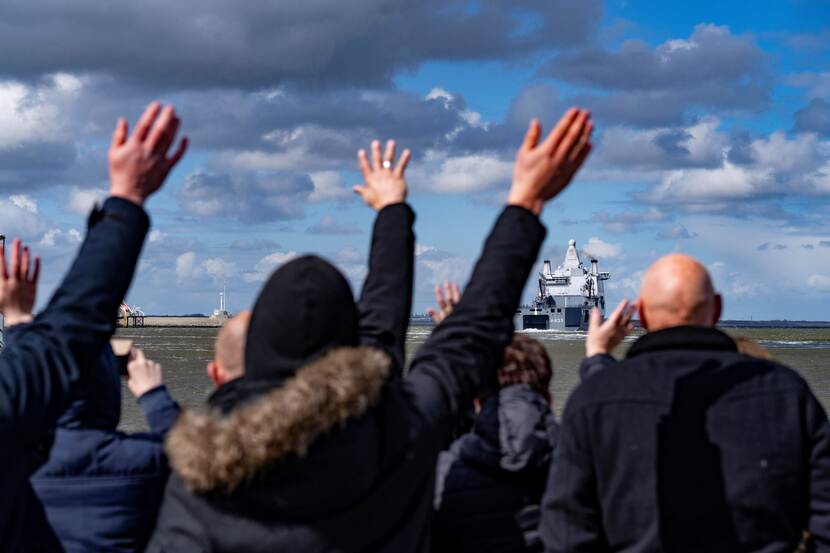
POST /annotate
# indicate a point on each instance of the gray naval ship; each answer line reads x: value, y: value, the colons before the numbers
x: 566, y: 295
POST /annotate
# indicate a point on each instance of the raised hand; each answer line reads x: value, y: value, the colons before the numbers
x: 447, y: 300
x: 18, y: 285
x: 603, y: 337
x: 143, y: 374
x: 382, y: 184
x: 139, y: 164
x: 543, y: 170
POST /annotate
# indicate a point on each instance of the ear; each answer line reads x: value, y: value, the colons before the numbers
x: 641, y: 309
x: 717, y: 311
x: 215, y: 373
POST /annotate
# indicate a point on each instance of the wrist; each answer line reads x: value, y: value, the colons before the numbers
x: 531, y: 204
x: 11, y: 319
x: 592, y: 350
x: 133, y: 198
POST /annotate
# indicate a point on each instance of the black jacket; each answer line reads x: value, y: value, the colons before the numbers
x: 366, y: 483
x: 490, y: 482
x: 688, y: 445
x: 49, y: 358
x: 101, y: 489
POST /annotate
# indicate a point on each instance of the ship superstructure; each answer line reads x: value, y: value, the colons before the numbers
x: 565, y: 295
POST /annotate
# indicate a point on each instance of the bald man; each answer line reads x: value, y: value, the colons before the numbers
x: 229, y: 350
x: 686, y: 444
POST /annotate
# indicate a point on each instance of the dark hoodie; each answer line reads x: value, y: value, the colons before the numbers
x: 324, y: 445
x: 101, y: 489
x: 490, y: 482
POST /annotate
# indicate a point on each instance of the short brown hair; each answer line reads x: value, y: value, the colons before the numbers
x: 526, y: 362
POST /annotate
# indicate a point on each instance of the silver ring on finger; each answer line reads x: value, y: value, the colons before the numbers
x: 387, y: 164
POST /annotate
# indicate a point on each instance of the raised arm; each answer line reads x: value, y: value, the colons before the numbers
x: 386, y: 300
x: 50, y: 355
x: 467, y: 347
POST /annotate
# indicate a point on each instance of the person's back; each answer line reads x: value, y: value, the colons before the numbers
x: 324, y: 445
x: 490, y: 482
x: 101, y: 489
x: 687, y: 444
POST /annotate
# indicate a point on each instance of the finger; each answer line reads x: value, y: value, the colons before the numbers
x: 376, y: 162
x: 571, y: 138
x: 359, y: 189
x: 626, y: 318
x: 402, y: 163
x: 24, y: 265
x: 160, y: 128
x: 595, y: 321
x: 36, y: 271
x: 614, y: 319
x: 15, y: 265
x: 532, y: 135
x: 144, y: 124
x: 456, y: 293
x: 555, y: 136
x: 576, y: 164
x: 363, y: 162
x: 389, y: 154
x: 177, y: 155
x: 583, y: 141
x: 4, y: 272
x: 168, y: 136
x: 119, y: 135
x: 439, y: 297
x: 433, y: 315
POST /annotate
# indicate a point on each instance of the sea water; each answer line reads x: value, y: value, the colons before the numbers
x: 184, y: 353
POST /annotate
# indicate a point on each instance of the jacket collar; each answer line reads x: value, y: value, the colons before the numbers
x: 683, y: 337
x: 218, y: 450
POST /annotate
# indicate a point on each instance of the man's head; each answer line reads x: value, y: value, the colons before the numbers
x: 526, y: 362
x: 229, y: 350
x: 678, y: 291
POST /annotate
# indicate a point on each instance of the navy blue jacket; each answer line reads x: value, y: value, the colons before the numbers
x: 688, y: 445
x: 368, y: 484
x: 50, y: 357
x: 101, y: 488
x: 490, y: 482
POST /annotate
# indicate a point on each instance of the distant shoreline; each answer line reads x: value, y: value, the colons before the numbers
x: 195, y: 321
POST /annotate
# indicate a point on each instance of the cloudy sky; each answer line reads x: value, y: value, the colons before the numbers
x: 713, y: 134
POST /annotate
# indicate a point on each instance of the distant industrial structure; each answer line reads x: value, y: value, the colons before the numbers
x: 130, y: 317
x: 222, y: 314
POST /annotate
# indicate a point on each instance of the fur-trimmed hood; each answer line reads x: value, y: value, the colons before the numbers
x: 215, y: 452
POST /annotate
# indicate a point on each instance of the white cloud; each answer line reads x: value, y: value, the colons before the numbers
x: 82, y: 200
x: 819, y: 282
x: 467, y: 173
x: 265, y: 266
x: 184, y: 265
x: 19, y: 217
x: 328, y: 185
x: 58, y: 238
x: 602, y: 249
x: 34, y: 113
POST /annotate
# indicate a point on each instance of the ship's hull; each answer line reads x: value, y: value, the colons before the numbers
x: 565, y: 319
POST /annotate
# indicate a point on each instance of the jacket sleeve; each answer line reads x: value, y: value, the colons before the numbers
x: 177, y: 528
x: 818, y: 523
x: 468, y: 346
x: 49, y: 356
x: 595, y: 364
x: 160, y: 409
x: 571, y: 515
x: 386, y: 300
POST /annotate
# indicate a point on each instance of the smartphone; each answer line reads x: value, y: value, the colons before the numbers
x: 121, y: 347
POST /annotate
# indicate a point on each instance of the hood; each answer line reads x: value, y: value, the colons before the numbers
x: 515, y: 431
x: 305, y: 309
x: 98, y: 399
x: 212, y: 451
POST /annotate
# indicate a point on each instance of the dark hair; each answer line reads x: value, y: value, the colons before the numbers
x: 526, y: 362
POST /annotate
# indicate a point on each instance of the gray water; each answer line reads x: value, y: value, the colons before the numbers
x: 184, y: 352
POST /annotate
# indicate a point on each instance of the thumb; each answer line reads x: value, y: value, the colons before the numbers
x: 359, y: 189
x: 596, y: 320
x: 120, y: 133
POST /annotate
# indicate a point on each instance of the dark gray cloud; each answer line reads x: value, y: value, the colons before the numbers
x: 627, y: 221
x: 647, y: 86
x: 824, y: 244
x: 814, y: 117
x: 255, y: 245
x: 211, y: 43
x: 250, y: 198
x: 766, y: 246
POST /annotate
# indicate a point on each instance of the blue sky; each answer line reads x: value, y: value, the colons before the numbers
x: 713, y: 135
